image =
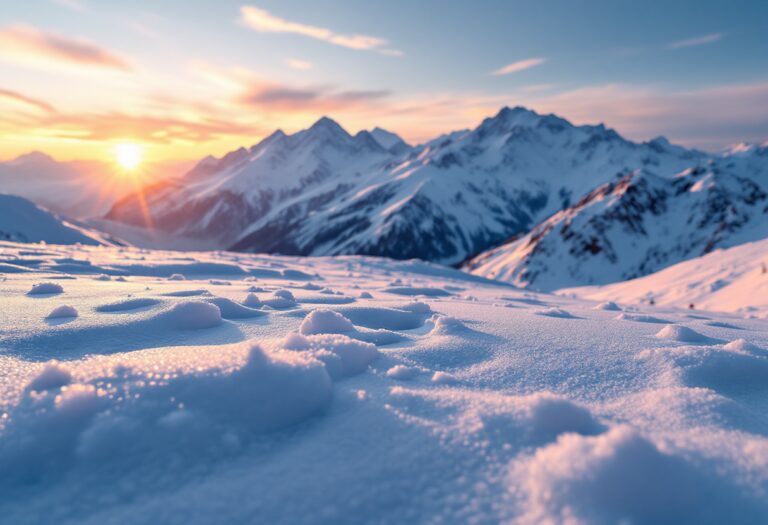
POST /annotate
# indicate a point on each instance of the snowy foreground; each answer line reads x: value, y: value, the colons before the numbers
x: 158, y: 387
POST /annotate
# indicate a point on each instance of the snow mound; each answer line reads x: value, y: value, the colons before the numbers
x: 742, y: 345
x: 444, y: 378
x: 342, y: 355
x: 446, y: 325
x: 45, y: 289
x: 52, y: 376
x: 187, y: 293
x: 550, y: 415
x: 682, y: 334
x: 609, y: 306
x: 730, y: 371
x: 127, y: 305
x: 193, y: 315
x: 617, y: 477
x: 252, y: 301
x: 556, y: 312
x: 231, y: 310
x: 177, y: 277
x: 281, y: 300
x: 366, y: 295
x: 158, y: 422
x: 402, y: 372
x: 325, y: 322
x: 639, y: 318
x: 62, y: 312
x: 387, y: 318
x: 417, y: 307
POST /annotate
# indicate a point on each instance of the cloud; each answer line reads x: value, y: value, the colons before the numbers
x: 696, y: 41
x: 520, y: 65
x: 28, y: 101
x: 711, y: 117
x: 160, y: 129
x: 273, y: 97
x: 265, y: 22
x: 75, y: 5
x: 295, y: 63
x: 20, y: 43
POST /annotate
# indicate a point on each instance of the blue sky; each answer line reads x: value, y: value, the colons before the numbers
x: 186, y: 76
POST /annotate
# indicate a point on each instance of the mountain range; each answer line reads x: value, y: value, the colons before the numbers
x: 523, y: 197
x: 322, y: 191
x: 640, y: 224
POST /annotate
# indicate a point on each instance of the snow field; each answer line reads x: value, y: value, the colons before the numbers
x: 189, y: 401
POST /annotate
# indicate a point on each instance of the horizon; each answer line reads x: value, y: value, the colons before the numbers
x: 210, y: 81
x: 371, y: 129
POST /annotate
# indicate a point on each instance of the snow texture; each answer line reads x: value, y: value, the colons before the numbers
x: 171, y: 401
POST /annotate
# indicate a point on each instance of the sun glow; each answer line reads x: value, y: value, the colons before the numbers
x: 129, y: 155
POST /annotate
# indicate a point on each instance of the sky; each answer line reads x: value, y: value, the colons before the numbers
x: 185, y: 79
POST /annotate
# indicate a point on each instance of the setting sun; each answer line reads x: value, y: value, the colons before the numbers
x: 128, y: 155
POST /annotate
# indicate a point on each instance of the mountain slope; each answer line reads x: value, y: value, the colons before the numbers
x: 324, y: 192
x: 637, y: 225
x: 23, y: 221
x: 730, y: 280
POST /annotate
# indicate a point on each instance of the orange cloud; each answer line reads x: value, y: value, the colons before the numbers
x: 144, y: 128
x: 20, y: 42
x: 29, y: 101
x: 295, y: 63
x: 265, y: 22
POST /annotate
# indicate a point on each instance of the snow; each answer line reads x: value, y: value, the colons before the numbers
x: 729, y: 280
x: 45, y: 289
x: 682, y: 334
x: 23, y: 221
x: 402, y: 372
x: 171, y: 401
x: 322, y: 191
x: 325, y: 322
x: 191, y: 315
x: 63, y: 311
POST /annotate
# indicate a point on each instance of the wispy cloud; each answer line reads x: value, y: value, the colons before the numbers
x: 75, y: 5
x: 27, y: 101
x: 696, y: 41
x: 709, y: 117
x: 21, y: 42
x: 295, y: 63
x: 265, y: 22
x: 518, y: 66
x: 159, y: 129
x: 272, y: 97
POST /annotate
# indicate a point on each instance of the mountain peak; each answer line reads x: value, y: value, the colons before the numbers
x: 507, y: 112
x: 387, y: 139
x: 327, y: 124
x: 33, y: 156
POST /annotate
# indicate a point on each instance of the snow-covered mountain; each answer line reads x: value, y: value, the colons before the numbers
x: 80, y: 188
x: 730, y: 280
x: 640, y: 224
x: 23, y: 221
x: 324, y: 192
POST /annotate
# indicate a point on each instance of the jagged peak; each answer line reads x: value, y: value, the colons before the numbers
x: 386, y: 138
x: 327, y: 124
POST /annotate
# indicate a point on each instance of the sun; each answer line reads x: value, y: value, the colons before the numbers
x: 129, y: 155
